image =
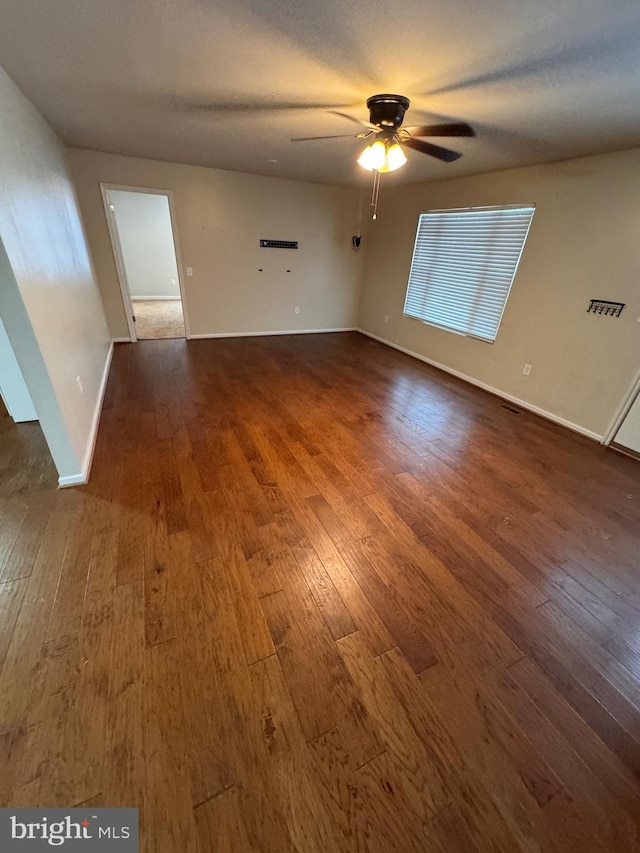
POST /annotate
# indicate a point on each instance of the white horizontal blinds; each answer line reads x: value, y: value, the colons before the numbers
x: 464, y: 262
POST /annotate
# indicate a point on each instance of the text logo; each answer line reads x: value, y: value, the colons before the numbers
x: 103, y: 830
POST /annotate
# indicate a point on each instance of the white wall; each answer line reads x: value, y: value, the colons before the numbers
x: 146, y: 240
x: 583, y: 244
x: 13, y: 388
x: 221, y: 217
x: 49, y: 301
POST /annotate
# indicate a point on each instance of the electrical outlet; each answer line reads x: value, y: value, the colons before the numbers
x: 79, y: 381
x: 189, y: 270
x: 296, y: 310
x: 526, y: 370
x: 386, y: 318
x: 173, y: 281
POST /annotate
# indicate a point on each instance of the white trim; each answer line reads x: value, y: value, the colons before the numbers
x: 623, y: 411
x: 155, y: 298
x: 122, y: 341
x: 550, y: 416
x: 73, y: 480
x: 279, y: 332
x: 83, y: 477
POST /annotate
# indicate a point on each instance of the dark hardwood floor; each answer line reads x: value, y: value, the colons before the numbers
x: 321, y: 597
x: 25, y: 461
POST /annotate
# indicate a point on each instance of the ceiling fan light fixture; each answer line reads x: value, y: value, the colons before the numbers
x: 374, y: 156
x: 382, y: 156
x: 386, y: 114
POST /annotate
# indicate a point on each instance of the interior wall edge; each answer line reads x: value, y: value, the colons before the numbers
x: 49, y: 298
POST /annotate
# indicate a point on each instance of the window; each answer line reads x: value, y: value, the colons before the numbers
x: 464, y: 262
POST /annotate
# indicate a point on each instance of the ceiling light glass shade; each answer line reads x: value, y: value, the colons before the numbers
x: 382, y: 157
x: 365, y: 158
x: 395, y: 157
x: 373, y: 157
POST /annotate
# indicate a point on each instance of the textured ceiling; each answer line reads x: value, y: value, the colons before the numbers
x: 227, y: 84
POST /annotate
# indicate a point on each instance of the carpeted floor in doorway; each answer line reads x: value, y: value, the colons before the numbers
x: 158, y: 318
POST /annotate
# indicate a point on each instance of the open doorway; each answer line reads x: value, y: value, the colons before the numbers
x: 141, y: 225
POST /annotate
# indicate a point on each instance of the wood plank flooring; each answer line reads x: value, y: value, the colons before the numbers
x: 25, y: 466
x: 321, y: 597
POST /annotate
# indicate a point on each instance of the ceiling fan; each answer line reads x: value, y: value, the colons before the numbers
x: 386, y: 114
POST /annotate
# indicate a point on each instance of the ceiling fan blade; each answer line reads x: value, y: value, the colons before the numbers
x: 433, y: 150
x: 215, y: 105
x: 336, y: 136
x: 361, y: 122
x: 451, y: 129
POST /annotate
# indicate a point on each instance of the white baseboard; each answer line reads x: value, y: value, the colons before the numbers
x: 82, y: 478
x: 530, y: 407
x: 73, y: 480
x: 265, y: 334
x: 122, y: 340
x: 155, y: 298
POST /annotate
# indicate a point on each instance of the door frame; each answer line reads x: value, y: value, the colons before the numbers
x: 119, y: 257
x: 623, y: 411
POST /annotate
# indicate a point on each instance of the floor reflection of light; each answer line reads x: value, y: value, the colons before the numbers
x: 427, y: 408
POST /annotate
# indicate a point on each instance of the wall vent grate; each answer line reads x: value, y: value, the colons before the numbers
x: 511, y: 409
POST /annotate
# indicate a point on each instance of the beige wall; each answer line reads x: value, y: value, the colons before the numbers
x: 49, y: 301
x: 584, y: 243
x: 220, y: 219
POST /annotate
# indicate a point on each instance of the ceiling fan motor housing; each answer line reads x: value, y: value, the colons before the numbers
x: 387, y: 111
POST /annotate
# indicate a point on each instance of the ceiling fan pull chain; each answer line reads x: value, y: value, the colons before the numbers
x: 374, y: 194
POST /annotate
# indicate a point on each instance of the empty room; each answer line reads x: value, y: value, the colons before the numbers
x: 320, y: 427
